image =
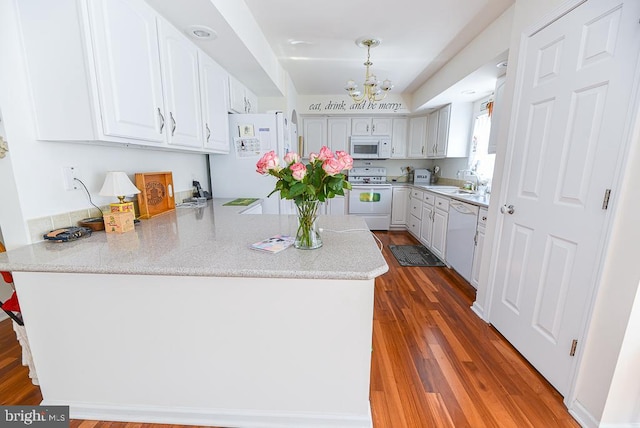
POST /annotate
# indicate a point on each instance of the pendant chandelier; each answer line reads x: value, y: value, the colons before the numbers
x: 373, y: 89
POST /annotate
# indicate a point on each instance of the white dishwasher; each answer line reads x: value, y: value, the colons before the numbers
x: 461, y: 230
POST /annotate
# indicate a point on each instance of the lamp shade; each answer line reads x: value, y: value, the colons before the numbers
x: 118, y: 184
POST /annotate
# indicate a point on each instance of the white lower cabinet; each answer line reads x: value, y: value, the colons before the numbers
x: 336, y: 206
x: 414, y: 218
x: 479, y: 242
x: 439, y: 233
x: 433, y: 223
x: 399, y: 205
x: 426, y: 230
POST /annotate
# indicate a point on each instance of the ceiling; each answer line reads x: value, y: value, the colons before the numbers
x: 314, y: 41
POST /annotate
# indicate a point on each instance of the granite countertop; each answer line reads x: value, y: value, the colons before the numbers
x: 451, y: 192
x: 210, y: 241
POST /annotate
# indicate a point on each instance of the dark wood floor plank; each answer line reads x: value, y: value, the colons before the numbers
x: 434, y: 362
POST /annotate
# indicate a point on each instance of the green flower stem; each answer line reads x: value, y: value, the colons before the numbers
x: 307, y: 213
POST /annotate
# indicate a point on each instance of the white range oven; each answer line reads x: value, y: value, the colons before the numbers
x: 370, y: 196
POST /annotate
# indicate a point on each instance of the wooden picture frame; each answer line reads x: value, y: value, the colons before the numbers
x: 156, y: 193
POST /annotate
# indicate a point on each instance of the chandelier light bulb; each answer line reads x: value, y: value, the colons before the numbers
x: 374, y: 90
x: 386, y: 85
x: 351, y: 86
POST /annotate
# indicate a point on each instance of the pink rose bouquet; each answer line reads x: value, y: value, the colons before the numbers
x: 308, y: 185
x: 321, y: 179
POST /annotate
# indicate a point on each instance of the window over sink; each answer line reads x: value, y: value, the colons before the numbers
x: 480, y: 161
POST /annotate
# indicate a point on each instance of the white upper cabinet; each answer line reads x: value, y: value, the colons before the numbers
x: 417, y: 137
x: 381, y: 126
x: 94, y: 71
x: 399, y: 138
x: 314, y: 135
x: 114, y: 71
x: 371, y: 126
x: 431, y: 144
x: 241, y: 99
x: 338, y: 132
x: 449, y: 131
x: 361, y: 126
x: 214, y: 90
x: 251, y: 100
x: 442, y: 139
x: 179, y: 63
x: 128, y: 73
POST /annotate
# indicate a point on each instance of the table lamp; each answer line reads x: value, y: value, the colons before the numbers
x: 121, y: 216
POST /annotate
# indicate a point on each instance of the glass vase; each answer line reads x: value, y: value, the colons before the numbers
x: 307, y: 235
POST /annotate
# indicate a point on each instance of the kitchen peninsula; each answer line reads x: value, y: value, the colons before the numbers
x: 180, y: 322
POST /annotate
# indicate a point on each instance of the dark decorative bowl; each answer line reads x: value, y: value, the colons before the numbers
x: 93, y: 223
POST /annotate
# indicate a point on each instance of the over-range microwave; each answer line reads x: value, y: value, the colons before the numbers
x: 363, y: 147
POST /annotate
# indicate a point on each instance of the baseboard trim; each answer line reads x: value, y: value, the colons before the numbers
x: 478, y: 310
x: 582, y: 415
x: 212, y: 417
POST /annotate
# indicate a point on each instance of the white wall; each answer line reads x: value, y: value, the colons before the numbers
x: 487, y: 45
x: 33, y: 172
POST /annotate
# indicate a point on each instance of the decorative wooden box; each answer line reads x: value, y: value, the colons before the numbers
x: 118, y: 222
x: 156, y: 193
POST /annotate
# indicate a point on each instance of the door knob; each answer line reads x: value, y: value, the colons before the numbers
x: 507, y: 209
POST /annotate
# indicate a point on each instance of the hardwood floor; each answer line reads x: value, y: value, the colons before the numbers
x: 434, y: 362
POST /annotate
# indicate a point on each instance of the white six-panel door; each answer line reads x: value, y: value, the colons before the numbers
x: 571, y: 102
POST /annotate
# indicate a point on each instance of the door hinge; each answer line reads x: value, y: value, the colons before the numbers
x: 605, y: 201
x: 574, y: 345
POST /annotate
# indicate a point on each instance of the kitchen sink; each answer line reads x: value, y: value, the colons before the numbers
x: 461, y: 194
x: 455, y: 191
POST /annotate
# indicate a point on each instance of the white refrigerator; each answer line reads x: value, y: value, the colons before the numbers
x: 234, y: 175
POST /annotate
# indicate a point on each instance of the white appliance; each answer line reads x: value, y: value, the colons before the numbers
x: 370, y: 196
x: 370, y: 147
x: 461, y: 232
x: 234, y: 175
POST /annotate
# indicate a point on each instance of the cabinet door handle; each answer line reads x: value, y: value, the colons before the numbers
x: 475, y: 239
x: 367, y: 128
x: 373, y: 128
x: 161, y: 120
x: 206, y: 125
x: 173, y: 124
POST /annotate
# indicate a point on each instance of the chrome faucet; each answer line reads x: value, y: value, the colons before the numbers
x: 463, y: 173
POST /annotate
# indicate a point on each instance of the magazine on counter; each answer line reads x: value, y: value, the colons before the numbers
x: 275, y: 244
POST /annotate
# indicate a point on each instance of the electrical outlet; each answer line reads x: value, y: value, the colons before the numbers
x: 70, y: 173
